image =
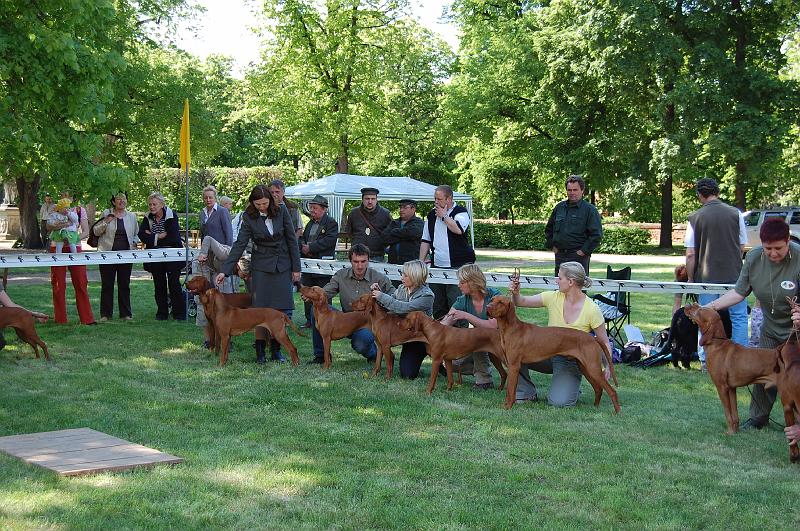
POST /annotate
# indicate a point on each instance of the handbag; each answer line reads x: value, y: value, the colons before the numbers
x: 93, y: 240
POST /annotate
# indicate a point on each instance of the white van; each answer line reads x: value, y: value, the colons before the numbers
x: 754, y: 218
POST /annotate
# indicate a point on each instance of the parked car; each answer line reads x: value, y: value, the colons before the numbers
x: 754, y: 218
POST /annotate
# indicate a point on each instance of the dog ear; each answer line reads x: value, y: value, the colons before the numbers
x: 704, y: 338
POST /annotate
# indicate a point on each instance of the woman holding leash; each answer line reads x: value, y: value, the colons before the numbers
x: 412, y: 295
x: 568, y: 307
x: 274, y: 262
x: 470, y: 307
x: 160, y: 229
x: 116, y: 231
x: 771, y: 272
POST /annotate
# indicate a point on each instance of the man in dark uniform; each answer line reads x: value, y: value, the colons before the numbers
x: 318, y: 241
x: 574, y: 229
x: 366, y: 223
x: 403, y: 234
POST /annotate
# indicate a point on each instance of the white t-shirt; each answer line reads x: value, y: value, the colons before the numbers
x: 440, y: 241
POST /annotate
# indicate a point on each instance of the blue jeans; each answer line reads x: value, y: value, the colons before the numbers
x: 738, y: 313
x: 362, y: 341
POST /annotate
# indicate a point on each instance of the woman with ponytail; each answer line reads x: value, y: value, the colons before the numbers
x: 569, y: 307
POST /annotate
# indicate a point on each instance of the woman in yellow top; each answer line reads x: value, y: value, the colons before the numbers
x: 568, y: 307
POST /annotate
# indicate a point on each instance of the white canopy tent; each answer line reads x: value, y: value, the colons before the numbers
x: 339, y: 187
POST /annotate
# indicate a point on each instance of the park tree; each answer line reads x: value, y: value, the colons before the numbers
x: 348, y: 80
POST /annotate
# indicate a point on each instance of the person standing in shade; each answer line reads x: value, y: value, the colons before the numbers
x: 160, y: 229
x: 318, y: 241
x: 274, y: 262
x: 771, y: 272
x: 44, y: 212
x: 215, y: 224
x: 445, y: 234
x: 366, y: 223
x: 80, y: 282
x: 278, y: 190
x: 574, y: 229
x: 715, y: 239
x: 116, y: 231
x: 403, y: 235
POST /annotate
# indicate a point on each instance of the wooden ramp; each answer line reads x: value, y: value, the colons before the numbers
x: 82, y: 451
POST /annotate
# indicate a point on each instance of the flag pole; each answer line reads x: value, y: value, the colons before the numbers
x: 185, y: 157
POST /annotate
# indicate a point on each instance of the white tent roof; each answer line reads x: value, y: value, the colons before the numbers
x: 349, y: 187
x: 339, y: 187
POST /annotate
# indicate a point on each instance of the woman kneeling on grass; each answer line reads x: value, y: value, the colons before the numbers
x: 568, y: 307
x: 412, y: 295
x: 470, y: 308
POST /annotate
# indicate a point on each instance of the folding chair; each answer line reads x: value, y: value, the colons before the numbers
x: 616, y: 306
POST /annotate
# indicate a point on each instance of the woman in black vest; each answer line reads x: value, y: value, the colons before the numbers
x: 274, y: 262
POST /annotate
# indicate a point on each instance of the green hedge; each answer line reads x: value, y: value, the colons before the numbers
x: 530, y: 237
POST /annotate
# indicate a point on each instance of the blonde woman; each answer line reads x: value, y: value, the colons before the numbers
x: 470, y: 308
x: 412, y: 295
x: 568, y: 307
x: 159, y: 229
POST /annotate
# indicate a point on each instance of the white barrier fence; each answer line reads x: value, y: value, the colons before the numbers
x: 329, y: 267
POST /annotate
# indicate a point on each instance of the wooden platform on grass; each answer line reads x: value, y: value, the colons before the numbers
x: 82, y: 451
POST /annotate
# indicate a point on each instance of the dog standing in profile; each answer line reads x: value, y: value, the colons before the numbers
x: 23, y: 323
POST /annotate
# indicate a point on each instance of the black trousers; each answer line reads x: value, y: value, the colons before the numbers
x: 572, y: 256
x: 167, y: 287
x: 121, y: 273
x: 411, y: 357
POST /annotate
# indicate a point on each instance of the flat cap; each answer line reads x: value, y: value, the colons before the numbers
x: 319, y: 200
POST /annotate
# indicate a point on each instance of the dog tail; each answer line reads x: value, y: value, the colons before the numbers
x: 607, y: 354
x: 294, y: 326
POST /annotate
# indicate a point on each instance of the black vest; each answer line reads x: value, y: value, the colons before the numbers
x: 460, y: 251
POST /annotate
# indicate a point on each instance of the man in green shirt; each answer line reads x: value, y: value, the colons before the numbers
x: 574, y: 229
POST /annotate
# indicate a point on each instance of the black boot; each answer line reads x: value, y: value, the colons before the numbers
x: 275, y: 348
x: 261, y: 345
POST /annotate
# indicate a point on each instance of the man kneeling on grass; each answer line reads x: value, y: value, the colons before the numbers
x: 350, y: 283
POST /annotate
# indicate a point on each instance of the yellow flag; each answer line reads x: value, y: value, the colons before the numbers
x: 185, y: 151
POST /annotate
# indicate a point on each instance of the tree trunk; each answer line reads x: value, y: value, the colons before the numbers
x: 665, y: 240
x: 739, y: 58
x: 342, y: 162
x: 741, y: 175
x: 28, y: 192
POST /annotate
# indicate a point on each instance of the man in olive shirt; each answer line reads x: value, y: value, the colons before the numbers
x: 366, y: 223
x: 350, y: 283
x: 574, y: 229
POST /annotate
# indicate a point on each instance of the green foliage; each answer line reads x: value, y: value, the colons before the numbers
x: 623, y: 240
x: 235, y: 183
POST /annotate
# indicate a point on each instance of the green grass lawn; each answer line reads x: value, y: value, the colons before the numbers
x: 297, y: 447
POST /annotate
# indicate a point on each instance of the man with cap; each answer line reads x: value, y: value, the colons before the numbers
x: 318, y: 241
x: 366, y: 223
x: 403, y: 235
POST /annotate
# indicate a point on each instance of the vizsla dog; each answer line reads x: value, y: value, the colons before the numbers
x: 448, y: 343
x: 231, y: 321
x: 386, y: 331
x: 730, y: 365
x: 332, y: 324
x: 528, y: 343
x: 788, y: 380
x: 23, y: 323
x: 199, y: 284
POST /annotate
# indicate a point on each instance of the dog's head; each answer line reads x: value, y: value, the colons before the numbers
x: 314, y: 294
x: 788, y: 353
x: 363, y: 303
x: 708, y: 321
x: 500, y: 307
x: 198, y: 284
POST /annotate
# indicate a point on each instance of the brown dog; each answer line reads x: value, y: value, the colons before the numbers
x: 528, y: 343
x: 230, y: 321
x: 788, y: 380
x: 386, y: 331
x: 23, y: 323
x: 332, y: 324
x: 448, y: 343
x: 198, y: 284
x: 730, y: 365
